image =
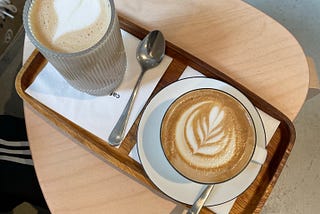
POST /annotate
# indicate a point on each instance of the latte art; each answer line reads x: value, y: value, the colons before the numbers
x: 70, y: 15
x: 207, y: 132
x: 69, y: 26
x: 204, y: 130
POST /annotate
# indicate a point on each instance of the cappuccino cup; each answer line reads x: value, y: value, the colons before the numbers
x: 209, y: 137
x: 81, y: 39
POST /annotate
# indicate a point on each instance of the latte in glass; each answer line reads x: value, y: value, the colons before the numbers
x: 208, y: 136
x: 81, y: 39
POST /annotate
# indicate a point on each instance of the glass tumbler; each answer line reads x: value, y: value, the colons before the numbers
x: 97, y: 70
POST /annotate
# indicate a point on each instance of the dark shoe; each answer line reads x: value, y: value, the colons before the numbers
x: 14, y: 146
x: 12, y: 128
x: 18, y: 184
x: 18, y: 181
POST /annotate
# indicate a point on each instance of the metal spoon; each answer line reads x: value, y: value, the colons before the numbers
x: 150, y: 52
x: 198, y: 204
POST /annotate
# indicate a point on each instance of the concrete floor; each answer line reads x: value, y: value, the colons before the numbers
x: 10, y: 64
x: 298, y: 188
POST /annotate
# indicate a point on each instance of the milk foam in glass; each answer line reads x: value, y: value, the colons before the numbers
x: 81, y: 39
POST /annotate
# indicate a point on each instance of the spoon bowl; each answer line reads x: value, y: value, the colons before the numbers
x: 150, y: 50
x: 149, y: 54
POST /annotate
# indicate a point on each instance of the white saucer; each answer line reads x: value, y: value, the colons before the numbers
x: 159, y: 170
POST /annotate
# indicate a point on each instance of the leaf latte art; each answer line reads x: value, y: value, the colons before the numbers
x: 207, y: 132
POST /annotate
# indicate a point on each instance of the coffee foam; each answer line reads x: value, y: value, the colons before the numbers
x: 204, y: 131
x: 207, y: 133
x: 69, y: 26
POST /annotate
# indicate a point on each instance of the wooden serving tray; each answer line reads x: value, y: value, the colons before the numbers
x: 279, y: 148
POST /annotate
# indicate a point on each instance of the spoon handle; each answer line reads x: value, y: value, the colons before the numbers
x: 198, y: 204
x: 117, y: 133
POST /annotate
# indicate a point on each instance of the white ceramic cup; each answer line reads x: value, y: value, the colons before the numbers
x: 209, y: 137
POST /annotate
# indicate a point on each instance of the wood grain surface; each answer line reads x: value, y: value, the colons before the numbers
x: 231, y: 36
x: 235, y: 38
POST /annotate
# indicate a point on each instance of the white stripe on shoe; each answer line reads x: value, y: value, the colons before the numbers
x: 17, y: 160
x: 14, y: 143
x: 16, y: 151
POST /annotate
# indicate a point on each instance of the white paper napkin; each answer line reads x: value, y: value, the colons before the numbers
x: 98, y: 114
x: 270, y: 125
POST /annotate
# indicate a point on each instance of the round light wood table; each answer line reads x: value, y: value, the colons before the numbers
x: 232, y: 36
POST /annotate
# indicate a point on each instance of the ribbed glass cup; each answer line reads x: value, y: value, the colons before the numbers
x: 97, y: 70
